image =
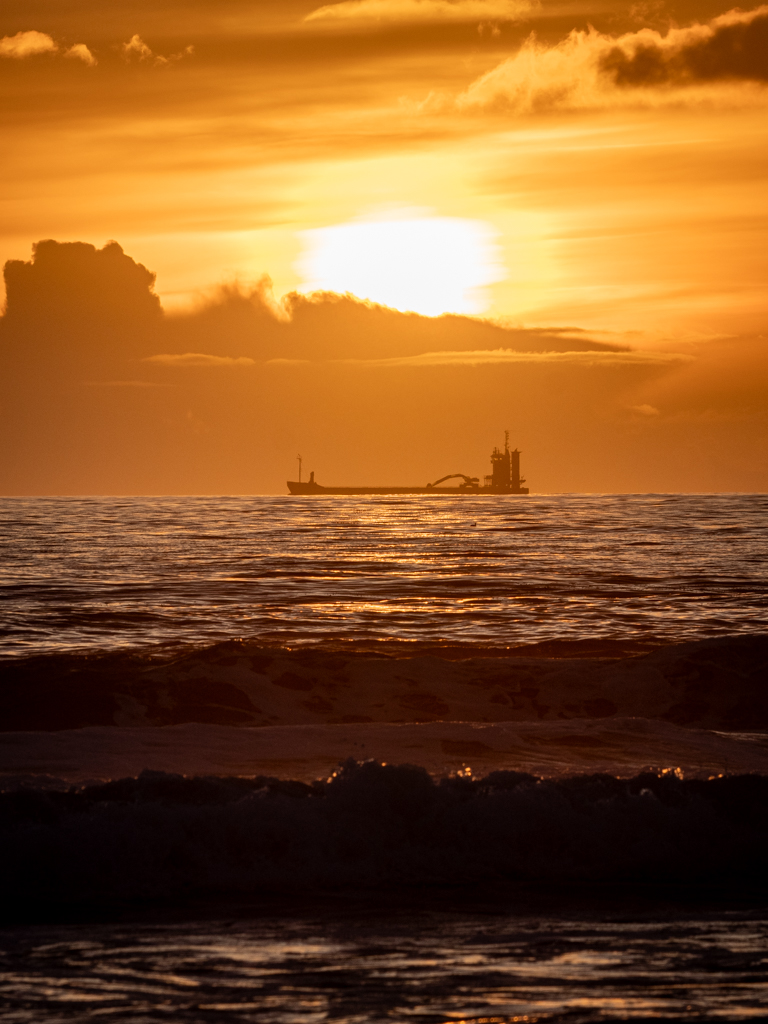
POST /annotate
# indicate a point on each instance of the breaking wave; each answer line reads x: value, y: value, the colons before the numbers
x: 375, y: 826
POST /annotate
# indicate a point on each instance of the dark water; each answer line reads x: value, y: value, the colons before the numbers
x: 426, y: 967
x: 122, y: 572
x: 377, y: 828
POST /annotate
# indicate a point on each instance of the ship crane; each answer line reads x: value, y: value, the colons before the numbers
x: 469, y: 481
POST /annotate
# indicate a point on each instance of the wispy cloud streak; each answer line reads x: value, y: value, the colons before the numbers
x: 198, y: 359
x: 123, y: 384
x: 387, y: 11
x: 478, y: 358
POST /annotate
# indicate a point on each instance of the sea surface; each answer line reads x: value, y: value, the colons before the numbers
x: 486, y: 966
x: 382, y: 894
x: 113, y: 573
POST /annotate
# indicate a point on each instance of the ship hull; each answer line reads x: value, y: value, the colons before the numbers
x: 304, y: 488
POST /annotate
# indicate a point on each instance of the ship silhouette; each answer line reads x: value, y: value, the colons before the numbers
x: 504, y: 479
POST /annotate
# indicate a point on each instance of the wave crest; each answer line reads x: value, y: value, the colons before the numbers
x: 375, y: 826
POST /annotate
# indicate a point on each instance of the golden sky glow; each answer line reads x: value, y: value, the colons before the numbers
x: 591, y: 166
x: 430, y: 265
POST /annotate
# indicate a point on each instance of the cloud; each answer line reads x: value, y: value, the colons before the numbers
x: 478, y: 358
x: 81, y: 52
x: 733, y: 46
x: 123, y: 384
x: 75, y: 312
x: 728, y: 378
x: 75, y: 283
x: 74, y: 298
x: 423, y: 10
x: 645, y: 410
x: 136, y: 47
x: 327, y: 326
x: 26, y: 44
x: 591, y: 70
x: 199, y: 359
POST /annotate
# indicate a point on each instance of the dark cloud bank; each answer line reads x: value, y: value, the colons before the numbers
x: 734, y: 47
x: 102, y: 392
x: 72, y: 298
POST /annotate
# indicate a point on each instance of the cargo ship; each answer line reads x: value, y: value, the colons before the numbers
x: 504, y: 479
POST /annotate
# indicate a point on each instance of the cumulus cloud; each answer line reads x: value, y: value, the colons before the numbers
x: 71, y: 284
x: 138, y: 49
x: 199, y: 359
x: 26, y: 44
x: 423, y: 10
x: 81, y: 52
x: 590, y: 69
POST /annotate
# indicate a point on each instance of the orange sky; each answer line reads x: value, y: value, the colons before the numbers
x: 593, y: 166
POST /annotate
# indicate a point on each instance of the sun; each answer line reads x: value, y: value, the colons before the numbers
x: 428, y: 265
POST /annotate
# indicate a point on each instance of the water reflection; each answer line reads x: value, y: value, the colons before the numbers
x: 109, y: 572
x: 480, y: 968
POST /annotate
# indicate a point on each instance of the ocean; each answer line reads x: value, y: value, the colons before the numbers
x: 118, y: 573
x: 482, y: 759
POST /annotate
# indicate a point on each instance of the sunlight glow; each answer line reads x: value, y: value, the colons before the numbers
x: 428, y: 265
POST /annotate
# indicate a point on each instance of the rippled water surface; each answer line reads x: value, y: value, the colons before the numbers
x: 121, y: 572
x: 426, y: 968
